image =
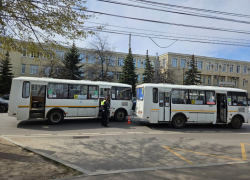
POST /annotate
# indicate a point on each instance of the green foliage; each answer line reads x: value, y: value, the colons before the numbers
x: 35, y: 25
x: 128, y: 72
x: 5, y: 75
x: 192, y: 75
x: 148, y: 72
x: 71, y: 69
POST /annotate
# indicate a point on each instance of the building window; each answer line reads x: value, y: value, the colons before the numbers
x: 134, y: 61
x: 200, y: 65
x: 138, y: 78
x: 174, y: 62
x: 144, y: 63
x: 120, y: 62
x: 244, y: 69
x: 237, y: 69
x: 235, y: 82
x: 208, y: 66
x: 34, y: 69
x: 82, y: 72
x: 60, y: 55
x: 153, y: 64
x: 82, y: 57
x: 183, y: 63
x: 216, y: 67
x: 111, y: 61
x: 243, y: 82
x: 24, y: 52
x: 139, y: 63
x: 204, y: 80
x: 23, y: 69
x: 101, y: 60
x: 118, y: 75
x: 56, y: 70
x: 231, y: 68
x: 208, y: 81
x: 91, y: 74
x: 224, y: 68
x: 91, y: 59
x: 222, y: 79
x: 47, y: 70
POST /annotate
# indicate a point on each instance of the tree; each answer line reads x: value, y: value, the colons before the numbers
x: 71, y: 68
x: 167, y: 75
x: 148, y: 75
x: 128, y: 72
x: 105, y: 67
x: 193, y: 75
x: 51, y: 69
x: 35, y: 25
x: 5, y: 75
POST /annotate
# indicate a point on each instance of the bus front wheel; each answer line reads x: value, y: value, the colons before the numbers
x: 55, y: 117
x: 120, y: 115
x: 236, y: 123
x: 179, y: 122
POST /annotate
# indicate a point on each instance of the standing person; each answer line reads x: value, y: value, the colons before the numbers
x: 104, y: 112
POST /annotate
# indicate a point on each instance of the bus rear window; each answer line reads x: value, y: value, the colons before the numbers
x: 121, y: 93
x: 140, y: 93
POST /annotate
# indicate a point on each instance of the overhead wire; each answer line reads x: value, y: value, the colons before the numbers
x: 194, y: 9
x: 176, y: 12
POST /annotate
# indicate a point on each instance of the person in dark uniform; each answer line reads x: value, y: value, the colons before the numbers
x: 104, y: 112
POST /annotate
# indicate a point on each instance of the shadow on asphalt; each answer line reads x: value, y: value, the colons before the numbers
x: 84, y: 124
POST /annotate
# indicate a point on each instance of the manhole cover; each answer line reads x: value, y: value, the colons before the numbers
x: 80, y: 137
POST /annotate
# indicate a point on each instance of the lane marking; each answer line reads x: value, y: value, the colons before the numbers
x: 244, y: 156
x: 178, y: 155
x: 206, y: 154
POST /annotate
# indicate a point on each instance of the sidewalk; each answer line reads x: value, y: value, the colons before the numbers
x: 17, y: 163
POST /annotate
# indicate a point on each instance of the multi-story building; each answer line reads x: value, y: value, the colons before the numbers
x: 28, y: 65
x: 214, y: 71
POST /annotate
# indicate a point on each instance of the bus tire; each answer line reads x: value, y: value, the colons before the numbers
x: 120, y: 115
x: 2, y: 108
x: 236, y: 122
x: 55, y: 117
x: 179, y: 121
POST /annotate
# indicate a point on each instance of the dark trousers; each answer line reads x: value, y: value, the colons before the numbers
x: 104, y: 118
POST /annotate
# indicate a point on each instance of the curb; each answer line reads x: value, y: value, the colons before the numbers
x: 86, y: 172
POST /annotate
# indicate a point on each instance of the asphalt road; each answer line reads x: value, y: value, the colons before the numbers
x: 138, y: 150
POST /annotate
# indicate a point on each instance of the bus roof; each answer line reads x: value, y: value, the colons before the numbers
x: 67, y: 81
x: 195, y: 87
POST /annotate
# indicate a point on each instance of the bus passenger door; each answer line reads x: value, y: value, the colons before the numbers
x: 23, y: 111
x: 164, y: 106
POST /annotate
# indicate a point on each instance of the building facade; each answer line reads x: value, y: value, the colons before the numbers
x: 214, y: 71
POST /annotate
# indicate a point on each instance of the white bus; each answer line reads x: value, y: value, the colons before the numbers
x: 178, y: 104
x: 53, y: 99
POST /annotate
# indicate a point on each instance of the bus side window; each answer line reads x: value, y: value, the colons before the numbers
x: 161, y: 99
x: 26, y: 89
x: 155, y: 95
x: 166, y: 99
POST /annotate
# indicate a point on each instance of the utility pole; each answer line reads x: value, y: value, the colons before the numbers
x: 129, y: 42
x: 156, y: 68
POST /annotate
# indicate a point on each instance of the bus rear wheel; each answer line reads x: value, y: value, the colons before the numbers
x: 120, y: 115
x: 55, y: 117
x: 179, y: 122
x: 236, y: 123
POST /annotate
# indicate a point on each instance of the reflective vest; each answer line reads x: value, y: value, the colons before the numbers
x: 102, y: 103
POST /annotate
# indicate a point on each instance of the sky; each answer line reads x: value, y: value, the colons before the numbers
x: 140, y: 45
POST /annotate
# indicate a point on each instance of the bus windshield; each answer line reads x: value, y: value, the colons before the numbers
x: 121, y: 93
x: 140, y: 92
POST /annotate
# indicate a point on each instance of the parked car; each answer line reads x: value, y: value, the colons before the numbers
x: 6, y: 97
x: 4, y: 104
